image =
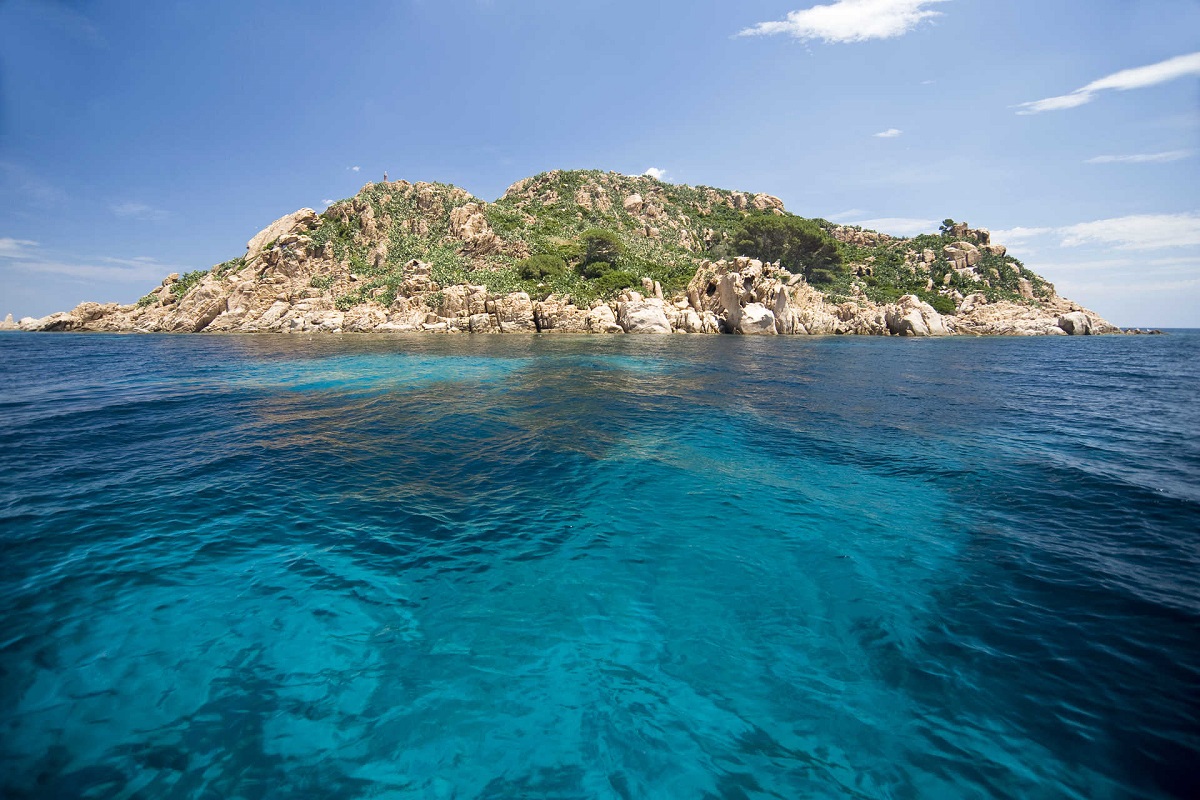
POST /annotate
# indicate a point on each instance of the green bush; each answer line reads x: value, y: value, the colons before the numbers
x: 541, y: 267
x: 614, y: 281
x: 799, y: 245
x: 596, y: 269
x: 600, y: 245
x: 940, y: 303
x: 187, y: 281
x: 148, y: 300
x: 322, y: 281
x: 233, y: 265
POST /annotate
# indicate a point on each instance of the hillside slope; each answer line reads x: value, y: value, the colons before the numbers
x: 587, y: 251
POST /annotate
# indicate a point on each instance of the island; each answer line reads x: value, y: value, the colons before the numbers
x: 594, y: 252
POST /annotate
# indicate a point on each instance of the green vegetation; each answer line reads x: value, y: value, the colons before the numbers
x: 187, y: 281
x: 541, y: 267
x: 596, y: 269
x: 940, y: 302
x: 322, y: 281
x: 614, y: 281
x: 799, y: 245
x: 601, y: 247
x: 148, y: 300
x: 233, y: 265
x: 570, y: 233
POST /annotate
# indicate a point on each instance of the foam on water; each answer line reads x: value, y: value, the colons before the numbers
x: 585, y: 567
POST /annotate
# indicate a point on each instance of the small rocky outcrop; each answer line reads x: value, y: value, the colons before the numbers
x: 912, y: 317
x: 638, y: 315
x: 963, y: 255
x: 1076, y: 324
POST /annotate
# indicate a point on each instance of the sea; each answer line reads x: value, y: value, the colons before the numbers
x: 239, y: 567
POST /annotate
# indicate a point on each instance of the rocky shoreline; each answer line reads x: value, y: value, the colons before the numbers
x: 291, y: 282
x: 742, y: 296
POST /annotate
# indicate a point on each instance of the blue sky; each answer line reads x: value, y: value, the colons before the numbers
x: 142, y: 138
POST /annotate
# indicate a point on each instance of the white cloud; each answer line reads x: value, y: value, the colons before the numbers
x: 354, y: 169
x: 101, y: 269
x: 890, y: 133
x: 850, y: 21
x: 1123, y: 81
x: 1020, y: 234
x: 139, y: 211
x: 1138, y: 232
x: 1158, y: 268
x: 1134, y: 232
x: 844, y: 215
x: 328, y: 202
x: 137, y: 269
x: 15, y: 248
x: 1142, y: 158
x: 899, y: 226
x: 656, y: 173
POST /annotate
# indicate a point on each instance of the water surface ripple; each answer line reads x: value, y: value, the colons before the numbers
x: 535, y: 567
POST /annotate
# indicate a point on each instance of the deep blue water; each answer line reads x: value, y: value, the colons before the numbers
x: 626, y: 567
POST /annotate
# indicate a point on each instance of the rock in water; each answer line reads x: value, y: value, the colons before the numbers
x: 757, y: 320
x: 643, y: 316
x: 1076, y: 324
x: 911, y: 317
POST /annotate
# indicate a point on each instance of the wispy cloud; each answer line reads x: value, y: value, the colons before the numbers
x: 1138, y: 232
x: 15, y: 248
x: 355, y: 169
x: 1019, y: 234
x: 1123, y: 81
x: 850, y: 21
x: 899, y: 226
x: 890, y: 133
x: 109, y: 269
x: 328, y: 202
x: 21, y: 187
x: 656, y: 173
x: 1163, y: 268
x: 140, y: 211
x: 845, y: 215
x: 1134, y: 232
x: 1142, y: 158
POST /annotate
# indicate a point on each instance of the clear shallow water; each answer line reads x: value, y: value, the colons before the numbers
x: 273, y: 567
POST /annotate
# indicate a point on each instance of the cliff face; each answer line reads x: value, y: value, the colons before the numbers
x: 430, y: 257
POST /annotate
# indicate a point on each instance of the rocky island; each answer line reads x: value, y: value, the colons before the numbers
x: 593, y: 252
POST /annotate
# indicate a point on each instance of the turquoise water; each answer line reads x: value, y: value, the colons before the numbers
x: 527, y: 567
